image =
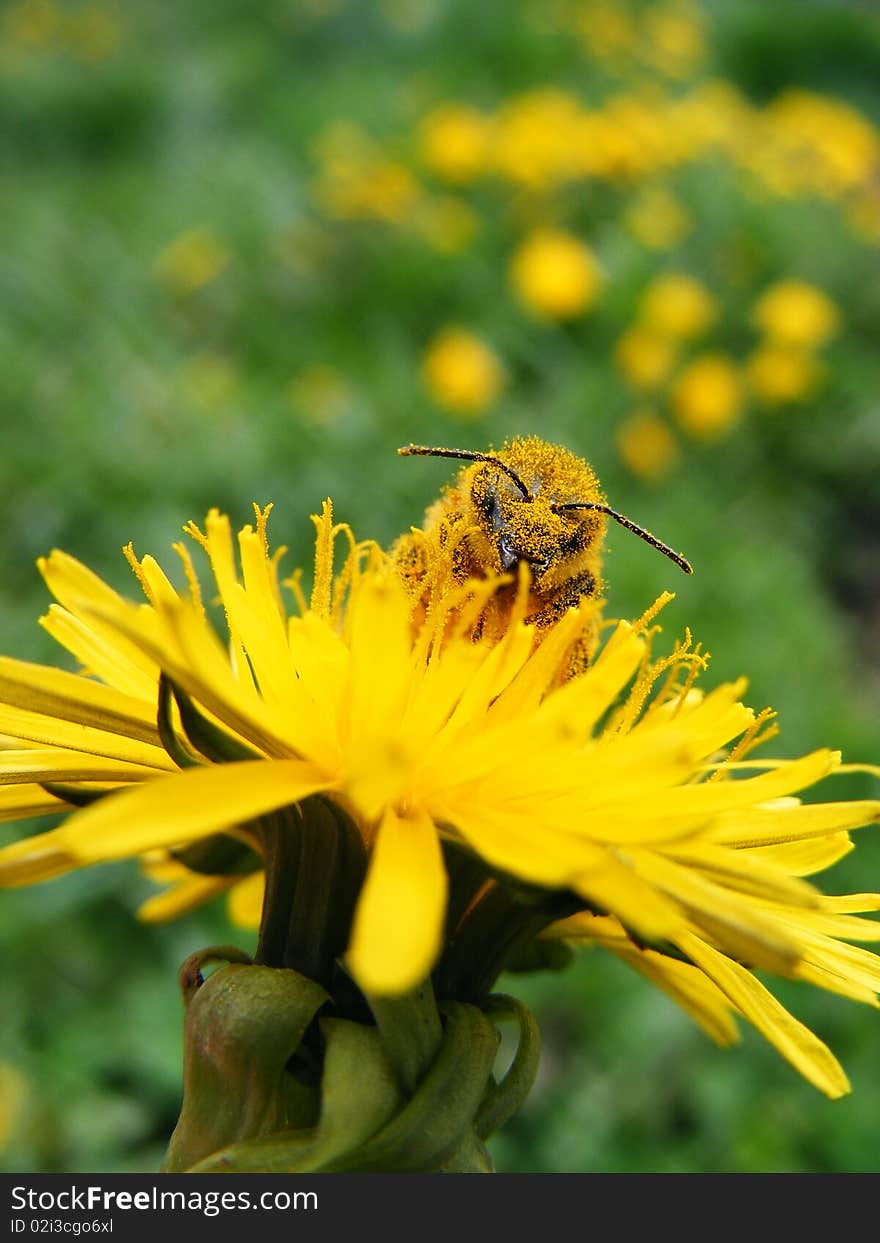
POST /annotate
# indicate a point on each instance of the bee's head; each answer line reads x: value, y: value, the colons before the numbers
x: 536, y: 503
x: 513, y: 502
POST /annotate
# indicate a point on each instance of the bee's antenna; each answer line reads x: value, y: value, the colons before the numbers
x: 630, y: 526
x: 468, y: 455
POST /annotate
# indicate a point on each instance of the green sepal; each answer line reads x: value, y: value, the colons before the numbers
x: 411, y: 1032
x: 242, y: 1026
x: 210, y: 740
x: 503, y: 1099
x: 435, y: 1123
x: 219, y: 855
x: 359, y: 1095
x: 167, y: 733
x: 74, y: 795
x: 540, y: 954
x: 315, y: 860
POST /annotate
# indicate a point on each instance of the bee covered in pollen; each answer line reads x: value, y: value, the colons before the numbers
x: 531, y: 507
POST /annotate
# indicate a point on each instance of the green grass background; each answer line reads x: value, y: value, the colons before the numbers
x: 203, y: 116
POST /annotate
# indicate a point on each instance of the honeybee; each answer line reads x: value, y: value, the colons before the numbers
x: 532, y: 505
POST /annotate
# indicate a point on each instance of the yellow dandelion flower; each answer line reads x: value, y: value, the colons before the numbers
x: 657, y: 219
x: 778, y: 374
x: 533, y: 139
x: 453, y: 142
x: 92, y: 33
x: 447, y: 223
x: 320, y: 738
x: 191, y: 261
x: 646, y: 444
x: 606, y: 29
x: 794, y: 313
x: 320, y: 395
x: 678, y: 306
x: 674, y: 39
x: 645, y: 138
x: 707, y: 396
x: 645, y: 357
x: 462, y: 372
x: 863, y: 215
x: 555, y: 275
x: 14, y: 1092
x: 207, y: 380
x: 815, y: 144
x: 32, y: 22
x: 358, y: 180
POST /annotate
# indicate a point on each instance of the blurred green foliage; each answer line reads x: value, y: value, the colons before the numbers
x: 194, y: 313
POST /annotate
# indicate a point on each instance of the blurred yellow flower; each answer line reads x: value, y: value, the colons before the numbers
x: 714, y: 117
x: 778, y: 374
x: 796, y: 314
x: 191, y: 261
x: 207, y: 380
x: 815, y: 144
x: 863, y: 216
x: 606, y: 29
x: 534, y: 138
x: 447, y: 223
x: 678, y: 306
x: 453, y: 142
x: 358, y: 180
x: 644, y: 356
x: 320, y: 395
x: 674, y: 39
x: 407, y: 16
x: 462, y: 372
x: 379, y: 190
x: 92, y: 32
x: 657, y: 220
x: 245, y: 901
x: 13, y: 1097
x: 707, y: 396
x: 646, y: 445
x: 32, y: 22
x: 555, y: 275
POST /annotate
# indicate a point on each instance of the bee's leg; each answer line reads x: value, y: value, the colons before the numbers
x: 581, y: 652
x: 409, y: 556
x: 569, y: 595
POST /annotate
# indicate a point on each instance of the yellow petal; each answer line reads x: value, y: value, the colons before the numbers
x: 48, y: 731
x: 187, y: 895
x: 72, y: 697
x: 579, y: 703
x: 39, y: 857
x: 767, y: 826
x: 380, y: 666
x: 712, y: 798
x: 617, y: 889
x: 541, y: 670
x: 22, y: 801
x: 801, y: 1047
x: 186, y: 806
x: 688, y: 987
x: 245, y: 901
x: 744, y: 929
x: 745, y: 871
x: 806, y: 857
x: 398, y: 924
x: 34, y: 764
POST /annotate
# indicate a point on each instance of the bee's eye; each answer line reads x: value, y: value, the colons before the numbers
x: 488, y: 504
